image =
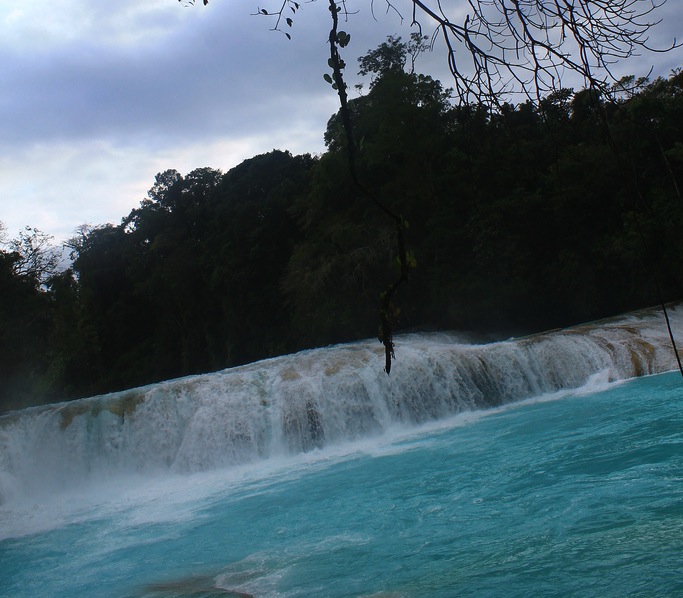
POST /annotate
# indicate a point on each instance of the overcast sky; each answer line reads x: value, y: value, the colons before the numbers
x: 98, y: 97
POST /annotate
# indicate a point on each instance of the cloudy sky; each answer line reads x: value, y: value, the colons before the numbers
x: 98, y: 97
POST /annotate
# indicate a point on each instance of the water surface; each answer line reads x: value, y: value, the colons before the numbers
x: 573, y: 493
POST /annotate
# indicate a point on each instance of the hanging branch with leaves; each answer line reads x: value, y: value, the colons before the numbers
x: 279, y: 15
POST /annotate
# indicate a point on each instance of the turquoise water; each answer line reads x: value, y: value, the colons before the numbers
x: 572, y: 494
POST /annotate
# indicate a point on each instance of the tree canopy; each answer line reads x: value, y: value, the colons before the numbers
x: 520, y: 218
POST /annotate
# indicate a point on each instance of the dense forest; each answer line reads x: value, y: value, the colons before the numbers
x: 521, y: 218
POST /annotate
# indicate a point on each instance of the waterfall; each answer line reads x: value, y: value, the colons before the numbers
x: 312, y: 399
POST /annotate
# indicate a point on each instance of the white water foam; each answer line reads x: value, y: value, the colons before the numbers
x: 302, y: 408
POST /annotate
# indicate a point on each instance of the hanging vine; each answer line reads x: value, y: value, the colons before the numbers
x: 388, y: 312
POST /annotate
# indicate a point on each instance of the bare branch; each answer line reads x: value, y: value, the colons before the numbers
x: 529, y: 46
x: 37, y: 259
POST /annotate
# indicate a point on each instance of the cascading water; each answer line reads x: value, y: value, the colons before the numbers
x: 305, y: 401
x: 524, y: 467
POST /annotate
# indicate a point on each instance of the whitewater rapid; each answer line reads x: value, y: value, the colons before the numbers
x: 310, y: 400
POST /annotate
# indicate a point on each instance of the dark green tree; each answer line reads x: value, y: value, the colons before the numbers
x: 25, y: 312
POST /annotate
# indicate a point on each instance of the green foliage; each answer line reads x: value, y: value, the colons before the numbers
x: 391, y: 57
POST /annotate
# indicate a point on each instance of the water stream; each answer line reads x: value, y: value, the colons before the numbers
x: 530, y: 466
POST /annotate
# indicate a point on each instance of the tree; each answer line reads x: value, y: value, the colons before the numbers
x: 36, y: 259
x: 189, y: 281
x: 517, y: 226
x: 391, y: 56
x: 510, y: 46
x: 25, y: 311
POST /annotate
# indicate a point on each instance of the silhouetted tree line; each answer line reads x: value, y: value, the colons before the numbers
x: 520, y: 219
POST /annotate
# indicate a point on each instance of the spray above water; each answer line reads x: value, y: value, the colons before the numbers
x: 310, y: 400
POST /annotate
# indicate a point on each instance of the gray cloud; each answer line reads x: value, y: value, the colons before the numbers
x: 99, y: 97
x: 187, y: 85
x: 223, y: 73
